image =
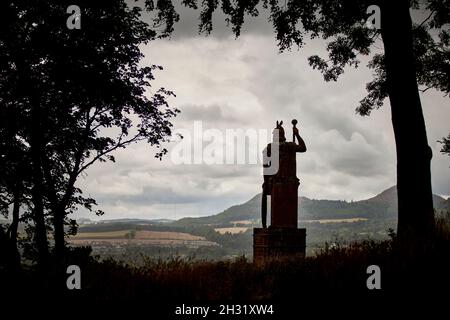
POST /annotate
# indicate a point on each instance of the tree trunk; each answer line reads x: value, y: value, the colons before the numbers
x: 27, y: 88
x: 55, y: 204
x: 60, y: 212
x: 60, y: 242
x: 415, y: 201
x: 12, y: 232
x: 38, y: 179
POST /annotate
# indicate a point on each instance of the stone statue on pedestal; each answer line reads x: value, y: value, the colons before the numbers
x: 282, y: 238
x: 283, y: 186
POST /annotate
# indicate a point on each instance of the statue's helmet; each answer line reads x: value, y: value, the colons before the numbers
x: 278, y: 132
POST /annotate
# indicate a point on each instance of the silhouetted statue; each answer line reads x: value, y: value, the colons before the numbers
x: 283, y: 185
x: 282, y: 238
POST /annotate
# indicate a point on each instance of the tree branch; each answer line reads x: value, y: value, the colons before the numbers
x: 428, y: 18
x: 426, y: 89
x: 101, y: 154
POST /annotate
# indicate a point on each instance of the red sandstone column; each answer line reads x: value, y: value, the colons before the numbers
x: 284, y: 196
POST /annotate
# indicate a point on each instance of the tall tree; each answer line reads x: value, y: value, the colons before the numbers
x: 413, y: 55
x: 81, y: 94
x: 14, y: 193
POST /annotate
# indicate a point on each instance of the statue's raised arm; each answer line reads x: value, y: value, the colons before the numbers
x: 301, y: 146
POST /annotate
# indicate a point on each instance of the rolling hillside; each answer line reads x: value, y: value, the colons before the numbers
x: 382, y: 206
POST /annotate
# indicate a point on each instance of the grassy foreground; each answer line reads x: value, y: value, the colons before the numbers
x: 337, y: 272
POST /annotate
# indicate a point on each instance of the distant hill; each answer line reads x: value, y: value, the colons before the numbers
x: 135, y: 221
x: 390, y: 196
x: 379, y: 215
x: 382, y: 206
x: 110, y: 225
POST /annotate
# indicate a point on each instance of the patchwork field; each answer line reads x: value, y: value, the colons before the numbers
x: 167, y: 235
x: 247, y: 222
x: 232, y: 230
x: 102, y: 235
x: 349, y: 220
x: 131, y: 234
x: 127, y: 238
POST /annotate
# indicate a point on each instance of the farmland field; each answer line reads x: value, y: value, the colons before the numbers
x: 348, y: 220
x: 148, y: 235
x: 104, y: 241
x: 232, y: 230
x: 166, y: 235
x: 102, y: 235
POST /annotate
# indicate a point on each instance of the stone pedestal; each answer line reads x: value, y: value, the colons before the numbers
x: 284, y: 202
x: 278, y: 242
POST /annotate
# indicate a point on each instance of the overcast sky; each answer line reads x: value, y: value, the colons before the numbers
x: 230, y: 83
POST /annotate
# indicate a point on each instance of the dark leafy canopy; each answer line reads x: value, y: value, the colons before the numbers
x: 74, y: 96
x: 343, y: 24
x: 446, y: 145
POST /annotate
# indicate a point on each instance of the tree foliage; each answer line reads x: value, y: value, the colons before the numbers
x: 446, y: 145
x: 69, y: 98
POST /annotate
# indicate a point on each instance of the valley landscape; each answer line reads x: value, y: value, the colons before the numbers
x: 229, y: 234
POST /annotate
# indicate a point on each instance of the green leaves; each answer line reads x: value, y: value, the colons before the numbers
x: 445, y: 145
x: 165, y: 14
x: 88, y: 86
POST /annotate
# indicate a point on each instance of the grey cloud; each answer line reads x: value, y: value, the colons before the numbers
x: 210, y: 113
x: 153, y: 195
x: 354, y: 157
x: 243, y: 83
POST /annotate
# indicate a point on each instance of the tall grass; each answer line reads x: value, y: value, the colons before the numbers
x: 335, y: 270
